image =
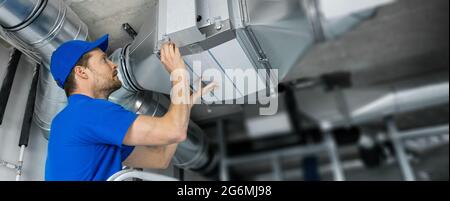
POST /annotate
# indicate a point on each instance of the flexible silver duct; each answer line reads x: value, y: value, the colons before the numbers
x: 40, y: 26
x: 47, y: 24
x: 50, y: 100
x: 192, y: 153
x: 14, y: 12
x: 140, y: 67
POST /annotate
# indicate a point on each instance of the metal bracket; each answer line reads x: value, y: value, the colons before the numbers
x: 311, y: 8
x: 129, y: 29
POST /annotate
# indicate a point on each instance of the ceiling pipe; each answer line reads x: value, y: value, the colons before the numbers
x: 194, y: 153
x: 373, y: 104
x: 47, y: 25
x: 399, y: 101
x: 16, y: 12
x: 39, y: 27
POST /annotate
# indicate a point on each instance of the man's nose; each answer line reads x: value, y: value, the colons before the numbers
x: 114, y: 66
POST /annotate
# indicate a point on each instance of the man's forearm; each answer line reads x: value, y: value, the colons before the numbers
x: 151, y: 157
x: 180, y: 108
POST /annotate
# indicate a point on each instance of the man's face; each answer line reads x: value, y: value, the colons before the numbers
x: 104, y: 72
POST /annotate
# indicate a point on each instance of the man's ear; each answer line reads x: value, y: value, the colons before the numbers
x: 80, y: 72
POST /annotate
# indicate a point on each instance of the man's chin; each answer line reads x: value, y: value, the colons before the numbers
x: 115, y: 86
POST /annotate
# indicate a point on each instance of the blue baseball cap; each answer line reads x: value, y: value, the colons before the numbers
x: 69, y: 53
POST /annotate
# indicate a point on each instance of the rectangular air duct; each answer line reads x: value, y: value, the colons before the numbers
x: 207, y: 39
x: 253, y: 36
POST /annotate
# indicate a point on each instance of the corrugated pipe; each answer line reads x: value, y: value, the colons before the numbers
x: 39, y: 27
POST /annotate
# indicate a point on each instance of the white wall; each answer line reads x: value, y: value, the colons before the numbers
x: 36, y: 152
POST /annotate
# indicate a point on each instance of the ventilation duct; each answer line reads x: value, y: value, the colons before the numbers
x: 50, y: 100
x: 241, y: 34
x: 372, y: 104
x: 399, y: 101
x: 38, y: 27
x: 15, y: 12
x: 194, y: 153
x: 248, y: 35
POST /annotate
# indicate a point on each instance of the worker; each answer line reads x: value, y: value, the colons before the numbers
x: 92, y: 138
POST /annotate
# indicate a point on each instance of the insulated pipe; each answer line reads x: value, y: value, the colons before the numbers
x: 29, y: 110
x: 26, y: 124
x: 7, y: 83
x: 40, y: 26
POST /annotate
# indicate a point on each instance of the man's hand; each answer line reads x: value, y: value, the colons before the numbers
x: 196, y: 96
x: 171, y: 57
x: 174, y: 63
x: 172, y: 127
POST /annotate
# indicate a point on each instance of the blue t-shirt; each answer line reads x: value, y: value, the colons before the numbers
x: 86, y: 140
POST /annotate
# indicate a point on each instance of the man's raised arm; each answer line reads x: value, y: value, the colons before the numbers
x: 172, y: 127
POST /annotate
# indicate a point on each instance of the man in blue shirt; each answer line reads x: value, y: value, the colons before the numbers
x: 92, y: 138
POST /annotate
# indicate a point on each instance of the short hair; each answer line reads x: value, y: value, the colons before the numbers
x: 70, y: 85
